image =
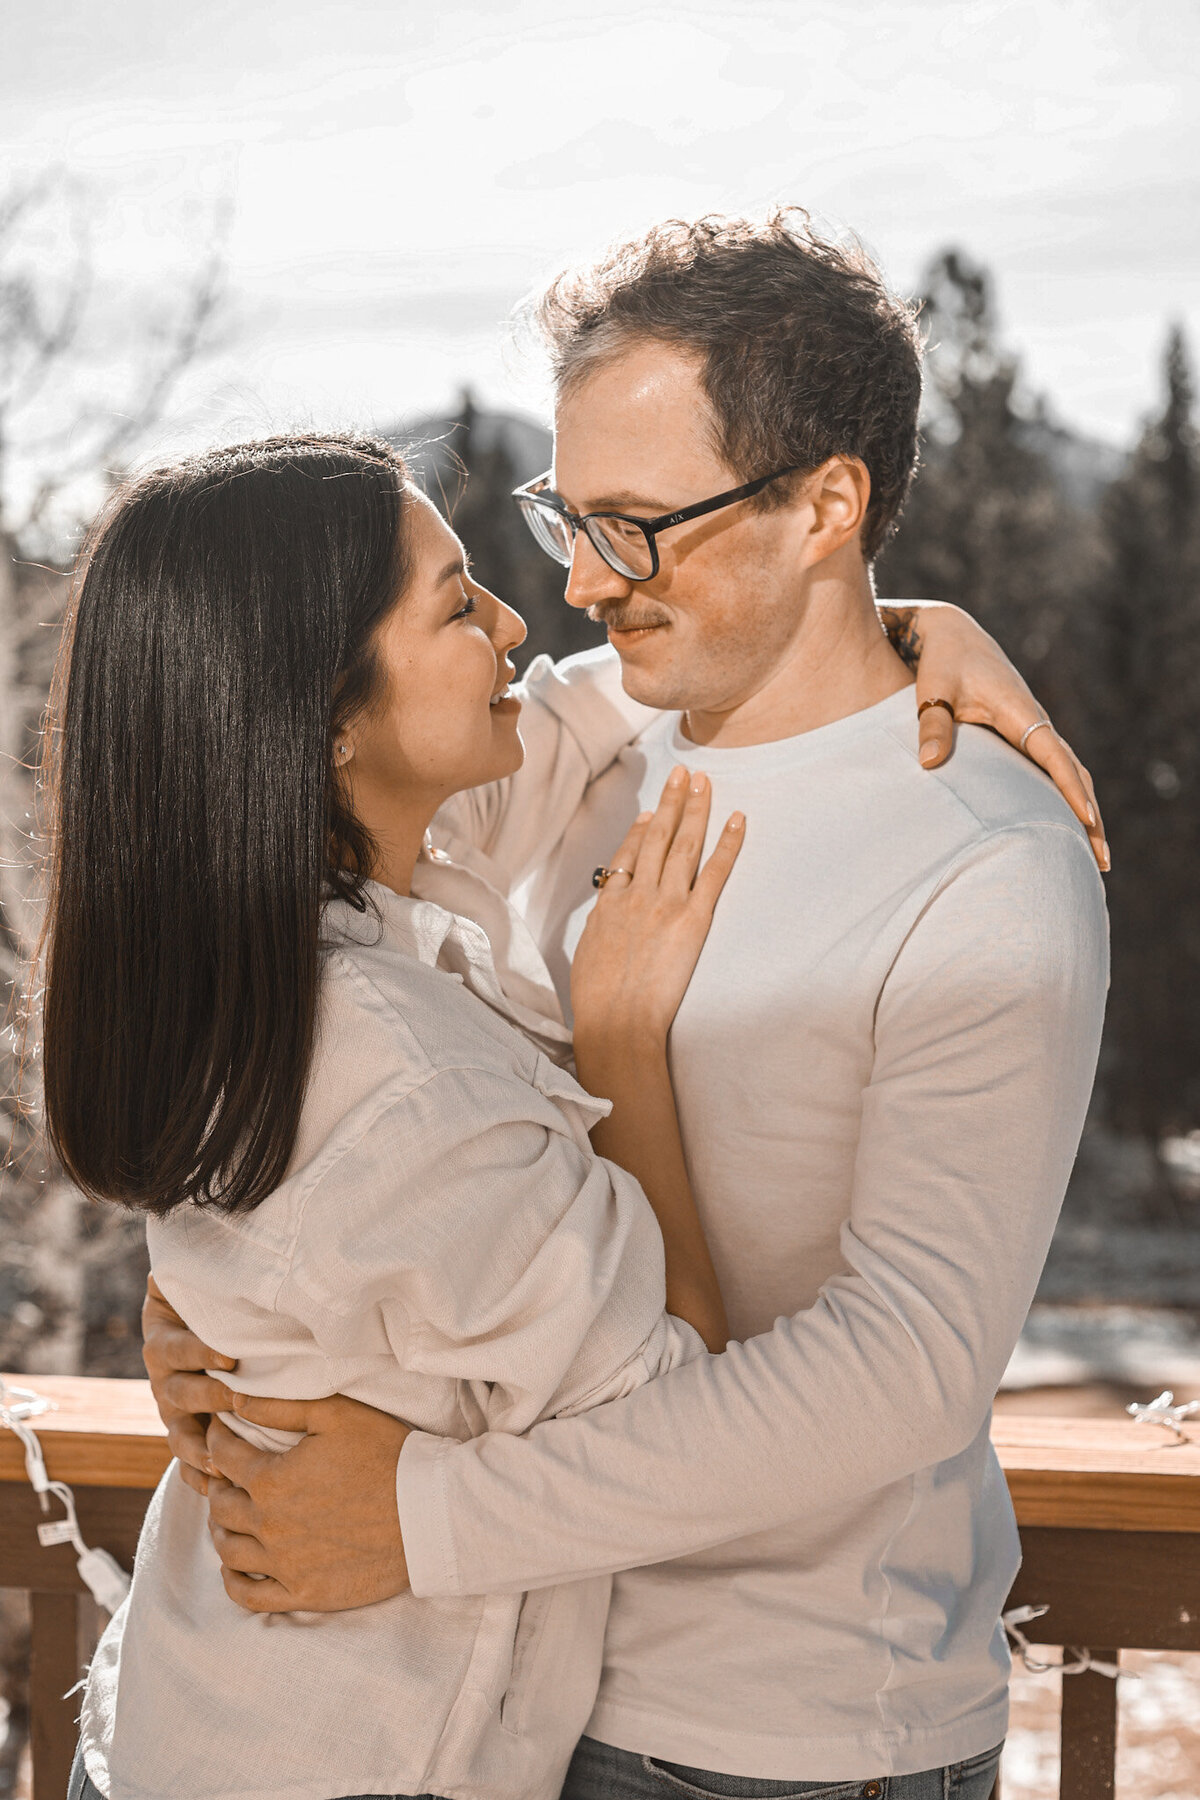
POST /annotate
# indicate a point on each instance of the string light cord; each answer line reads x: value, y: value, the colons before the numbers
x: 1081, y: 1660
x: 101, y: 1573
x: 1164, y: 1411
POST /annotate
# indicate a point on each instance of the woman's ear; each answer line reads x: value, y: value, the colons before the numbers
x: 343, y: 751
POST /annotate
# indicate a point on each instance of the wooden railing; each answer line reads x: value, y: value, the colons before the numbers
x: 1109, y: 1514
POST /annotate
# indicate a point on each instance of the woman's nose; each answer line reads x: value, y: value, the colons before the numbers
x: 510, y: 630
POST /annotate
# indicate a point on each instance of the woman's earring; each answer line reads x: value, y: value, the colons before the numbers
x: 343, y: 751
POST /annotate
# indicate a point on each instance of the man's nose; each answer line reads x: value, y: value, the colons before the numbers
x: 590, y: 581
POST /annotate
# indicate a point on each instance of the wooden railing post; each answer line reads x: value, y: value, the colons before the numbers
x: 1089, y: 1733
x: 53, y: 1671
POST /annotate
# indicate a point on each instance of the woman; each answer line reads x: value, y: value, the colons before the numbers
x: 361, y: 1163
x: 362, y: 1177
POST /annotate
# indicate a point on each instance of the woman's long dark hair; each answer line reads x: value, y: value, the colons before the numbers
x: 220, y: 635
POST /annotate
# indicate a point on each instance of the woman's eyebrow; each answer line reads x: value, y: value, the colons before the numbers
x: 457, y: 567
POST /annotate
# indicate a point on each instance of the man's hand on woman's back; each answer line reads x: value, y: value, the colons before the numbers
x: 314, y: 1528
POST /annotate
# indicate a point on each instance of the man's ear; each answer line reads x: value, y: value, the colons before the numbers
x: 837, y: 494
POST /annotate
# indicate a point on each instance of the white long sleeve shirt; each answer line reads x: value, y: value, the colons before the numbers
x: 446, y: 1246
x: 882, y: 1066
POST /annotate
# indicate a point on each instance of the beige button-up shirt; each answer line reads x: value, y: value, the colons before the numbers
x: 447, y: 1247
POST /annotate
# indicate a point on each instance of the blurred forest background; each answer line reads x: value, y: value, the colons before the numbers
x: 1082, y: 558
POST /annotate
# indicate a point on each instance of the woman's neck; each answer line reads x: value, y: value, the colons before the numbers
x: 396, y: 855
x: 398, y: 834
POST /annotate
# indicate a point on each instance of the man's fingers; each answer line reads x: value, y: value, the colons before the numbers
x: 231, y: 1456
x: 171, y: 1348
x: 245, y: 1555
x: 280, y: 1415
x: 186, y: 1441
x: 256, y: 1593
x: 231, y: 1507
x: 193, y: 1478
x: 935, y: 737
x: 170, y: 1341
x: 190, y: 1393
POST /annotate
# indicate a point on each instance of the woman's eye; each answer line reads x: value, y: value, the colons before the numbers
x: 470, y: 605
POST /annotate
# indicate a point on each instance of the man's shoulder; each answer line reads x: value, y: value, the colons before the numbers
x: 986, y: 839
x: 989, y: 786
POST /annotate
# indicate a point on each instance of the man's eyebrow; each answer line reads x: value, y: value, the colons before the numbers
x: 624, y: 500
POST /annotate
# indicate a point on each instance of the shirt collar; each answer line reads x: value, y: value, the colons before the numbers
x: 470, y: 930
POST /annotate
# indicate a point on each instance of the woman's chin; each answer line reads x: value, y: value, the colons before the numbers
x: 508, y: 749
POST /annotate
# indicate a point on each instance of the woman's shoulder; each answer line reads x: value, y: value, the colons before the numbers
x: 415, y: 1085
x: 391, y: 1010
x: 410, y: 1063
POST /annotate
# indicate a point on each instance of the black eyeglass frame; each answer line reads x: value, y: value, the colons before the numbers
x: 650, y: 528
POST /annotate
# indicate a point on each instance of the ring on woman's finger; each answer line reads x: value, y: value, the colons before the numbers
x: 603, y: 875
x: 926, y: 704
x: 1030, y: 729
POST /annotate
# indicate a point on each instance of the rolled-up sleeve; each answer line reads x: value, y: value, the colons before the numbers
x: 472, y: 1233
x: 987, y: 1032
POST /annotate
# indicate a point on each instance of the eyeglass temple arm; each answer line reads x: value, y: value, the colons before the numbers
x: 706, y: 506
x: 555, y: 503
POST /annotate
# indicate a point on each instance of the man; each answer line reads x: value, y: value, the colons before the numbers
x: 881, y: 1065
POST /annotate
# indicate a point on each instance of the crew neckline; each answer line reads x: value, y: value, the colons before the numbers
x: 805, y: 746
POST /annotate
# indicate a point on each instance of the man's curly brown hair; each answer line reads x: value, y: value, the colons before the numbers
x: 806, y: 354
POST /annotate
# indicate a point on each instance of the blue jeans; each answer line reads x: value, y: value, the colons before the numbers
x: 598, y: 1772
x: 81, y: 1787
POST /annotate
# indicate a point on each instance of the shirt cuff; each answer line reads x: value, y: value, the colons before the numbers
x: 425, y: 1517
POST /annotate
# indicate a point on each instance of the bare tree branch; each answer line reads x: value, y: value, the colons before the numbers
x: 40, y: 339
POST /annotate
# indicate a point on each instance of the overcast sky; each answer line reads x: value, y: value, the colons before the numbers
x: 400, y: 173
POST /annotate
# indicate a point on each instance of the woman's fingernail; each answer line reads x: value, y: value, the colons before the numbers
x: 1091, y: 816
x: 643, y: 818
x: 928, y: 754
x: 699, y: 782
x: 736, y: 821
x: 677, y: 777
x: 1104, y: 851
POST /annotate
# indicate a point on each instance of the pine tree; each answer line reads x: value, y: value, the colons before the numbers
x: 1150, y: 773
x: 988, y: 524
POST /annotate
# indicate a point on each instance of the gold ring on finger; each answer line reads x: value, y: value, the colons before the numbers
x: 603, y: 875
x: 926, y: 704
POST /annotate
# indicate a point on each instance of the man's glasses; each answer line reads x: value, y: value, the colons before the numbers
x: 628, y: 545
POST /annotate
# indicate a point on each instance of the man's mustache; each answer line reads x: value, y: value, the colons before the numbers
x: 624, y: 621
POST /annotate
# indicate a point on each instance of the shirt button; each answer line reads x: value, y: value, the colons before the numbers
x: 872, y: 1790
